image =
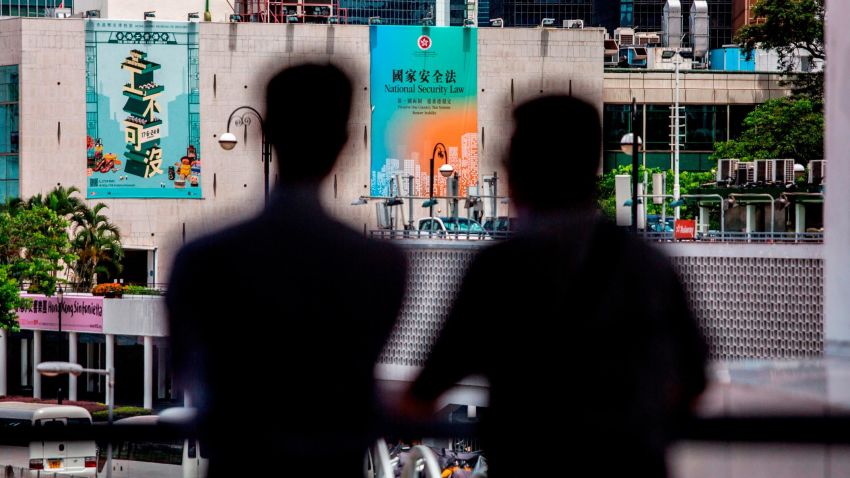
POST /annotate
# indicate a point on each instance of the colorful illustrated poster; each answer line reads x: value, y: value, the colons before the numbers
x: 424, y: 92
x: 143, y: 110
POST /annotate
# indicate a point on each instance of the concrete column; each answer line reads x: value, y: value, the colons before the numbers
x: 442, y: 13
x: 25, y: 359
x: 90, y: 364
x: 110, y: 359
x: 148, y: 352
x: 836, y: 219
x: 751, y: 218
x: 187, y: 399
x: 703, y: 220
x: 799, y: 218
x: 160, y: 371
x: 72, y: 357
x: 36, y: 359
x: 4, y: 341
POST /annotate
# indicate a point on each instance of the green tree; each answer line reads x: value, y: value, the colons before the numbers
x: 779, y: 128
x: 97, y: 243
x: 789, y: 25
x: 10, y: 300
x: 688, y: 181
x: 60, y: 200
x: 34, y: 245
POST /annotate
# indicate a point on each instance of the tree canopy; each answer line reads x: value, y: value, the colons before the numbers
x: 779, y: 129
x: 789, y: 25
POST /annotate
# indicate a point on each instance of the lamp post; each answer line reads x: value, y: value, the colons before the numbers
x: 446, y: 170
x: 53, y: 369
x: 630, y: 144
x: 228, y: 140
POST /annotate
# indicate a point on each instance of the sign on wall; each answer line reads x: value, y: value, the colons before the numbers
x: 143, y: 110
x: 424, y: 92
x: 79, y: 314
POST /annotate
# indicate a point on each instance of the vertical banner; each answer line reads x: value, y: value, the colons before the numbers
x: 424, y: 106
x: 142, y: 110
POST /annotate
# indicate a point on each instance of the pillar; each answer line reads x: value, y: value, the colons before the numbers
x: 4, y: 342
x: 160, y: 371
x: 25, y: 358
x: 751, y: 218
x: 148, y: 352
x: 110, y: 360
x: 704, y: 220
x: 799, y: 218
x: 36, y: 359
x: 72, y: 357
x: 836, y: 219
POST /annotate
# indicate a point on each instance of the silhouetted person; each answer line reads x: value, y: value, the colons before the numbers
x: 276, y: 323
x: 582, y: 330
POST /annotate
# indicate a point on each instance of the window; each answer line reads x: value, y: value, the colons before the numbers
x: 9, y: 132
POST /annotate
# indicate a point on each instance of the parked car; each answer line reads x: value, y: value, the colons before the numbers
x: 453, y: 227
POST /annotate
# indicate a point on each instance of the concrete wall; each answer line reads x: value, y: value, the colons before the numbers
x: 236, y: 61
x: 704, y: 88
x: 172, y: 10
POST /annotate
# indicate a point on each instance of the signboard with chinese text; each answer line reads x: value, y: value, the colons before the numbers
x: 143, y: 110
x: 424, y: 92
x: 79, y: 314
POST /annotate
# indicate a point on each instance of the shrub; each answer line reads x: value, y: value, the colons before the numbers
x: 119, y: 413
x: 103, y: 289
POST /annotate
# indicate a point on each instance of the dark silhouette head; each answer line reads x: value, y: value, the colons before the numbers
x: 307, y: 108
x: 553, y: 158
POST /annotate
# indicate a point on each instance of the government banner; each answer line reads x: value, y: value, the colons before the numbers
x: 424, y: 106
x: 143, y: 110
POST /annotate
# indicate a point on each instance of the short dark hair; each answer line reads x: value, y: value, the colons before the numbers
x: 307, y: 109
x: 553, y: 158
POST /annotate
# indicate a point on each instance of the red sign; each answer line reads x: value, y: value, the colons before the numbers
x: 685, y: 229
x: 424, y: 42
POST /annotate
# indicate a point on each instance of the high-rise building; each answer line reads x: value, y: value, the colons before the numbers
x: 742, y: 14
x: 32, y: 8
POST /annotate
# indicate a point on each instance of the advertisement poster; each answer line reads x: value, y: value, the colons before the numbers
x: 424, y: 105
x: 143, y: 110
x: 79, y: 314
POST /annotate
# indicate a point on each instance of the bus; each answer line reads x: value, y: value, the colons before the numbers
x: 158, y: 459
x: 77, y: 458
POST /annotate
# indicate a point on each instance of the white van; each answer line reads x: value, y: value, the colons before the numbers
x: 78, y: 458
x: 160, y: 459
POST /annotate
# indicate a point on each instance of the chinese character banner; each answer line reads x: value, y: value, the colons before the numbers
x: 143, y: 111
x: 423, y: 93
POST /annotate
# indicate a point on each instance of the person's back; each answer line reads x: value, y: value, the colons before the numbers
x: 582, y: 330
x: 277, y: 322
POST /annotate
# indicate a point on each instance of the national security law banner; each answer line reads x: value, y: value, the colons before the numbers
x: 424, y: 92
x: 143, y: 110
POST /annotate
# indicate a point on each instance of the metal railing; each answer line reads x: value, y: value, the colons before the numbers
x: 740, y: 237
x: 440, y: 235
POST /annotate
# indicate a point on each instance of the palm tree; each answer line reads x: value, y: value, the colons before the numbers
x: 97, y: 244
x: 60, y: 200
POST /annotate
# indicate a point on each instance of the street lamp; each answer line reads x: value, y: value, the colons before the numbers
x: 446, y: 170
x: 228, y: 140
x: 630, y: 144
x: 60, y: 294
x: 53, y: 369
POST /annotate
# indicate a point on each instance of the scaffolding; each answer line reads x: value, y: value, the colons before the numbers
x: 273, y: 11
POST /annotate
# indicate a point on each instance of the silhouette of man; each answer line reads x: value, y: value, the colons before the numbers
x: 582, y: 330
x: 276, y: 323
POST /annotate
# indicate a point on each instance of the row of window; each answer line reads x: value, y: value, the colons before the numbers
x: 9, y: 132
x: 30, y: 8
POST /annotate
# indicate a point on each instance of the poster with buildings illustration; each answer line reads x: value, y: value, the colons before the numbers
x: 143, y: 110
x: 424, y: 99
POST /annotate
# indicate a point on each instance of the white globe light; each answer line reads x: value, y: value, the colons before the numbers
x: 227, y: 141
x: 447, y: 170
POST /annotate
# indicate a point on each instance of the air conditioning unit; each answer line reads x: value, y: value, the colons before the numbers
x: 671, y: 24
x: 783, y: 171
x: 624, y: 36
x: 573, y: 23
x: 647, y: 39
x: 726, y: 170
x: 817, y: 171
x: 745, y: 174
x: 612, y: 53
x: 764, y: 170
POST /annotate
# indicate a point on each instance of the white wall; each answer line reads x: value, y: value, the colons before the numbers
x: 172, y: 10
